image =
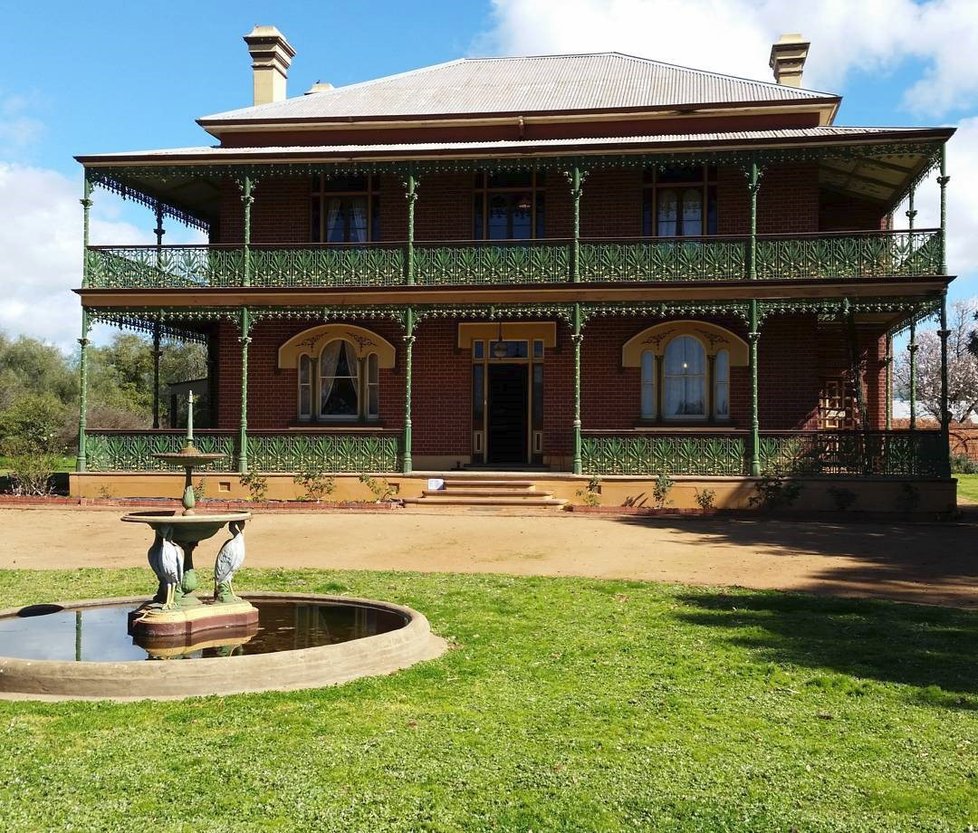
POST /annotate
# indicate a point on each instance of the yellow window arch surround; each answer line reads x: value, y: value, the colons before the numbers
x: 312, y: 341
x: 713, y: 337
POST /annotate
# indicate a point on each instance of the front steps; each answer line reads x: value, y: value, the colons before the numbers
x: 476, y: 491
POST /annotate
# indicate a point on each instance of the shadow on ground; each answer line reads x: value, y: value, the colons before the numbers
x: 894, y: 560
x: 928, y: 647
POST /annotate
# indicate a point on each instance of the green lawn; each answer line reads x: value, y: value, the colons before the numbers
x: 566, y: 705
x: 967, y: 487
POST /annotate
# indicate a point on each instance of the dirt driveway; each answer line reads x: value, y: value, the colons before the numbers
x: 936, y: 563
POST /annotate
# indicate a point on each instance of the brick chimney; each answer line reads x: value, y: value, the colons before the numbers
x: 788, y: 59
x: 271, y: 56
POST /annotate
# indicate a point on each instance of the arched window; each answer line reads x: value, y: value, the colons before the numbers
x: 339, y: 381
x: 721, y: 385
x: 685, y: 379
x: 648, y: 384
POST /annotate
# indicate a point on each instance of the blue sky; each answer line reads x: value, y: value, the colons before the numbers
x: 112, y: 76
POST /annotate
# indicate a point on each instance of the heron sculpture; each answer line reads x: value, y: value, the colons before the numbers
x: 229, y: 561
x: 166, y: 560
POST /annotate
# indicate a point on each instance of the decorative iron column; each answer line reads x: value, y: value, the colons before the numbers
x: 86, y: 202
x: 411, y: 194
x: 753, y: 185
x: 942, y: 181
x: 943, y: 334
x: 755, y: 425
x: 855, y: 366
x: 247, y: 186
x: 157, y: 355
x: 576, y: 338
x: 888, y: 364
x: 407, y: 461
x: 245, y: 339
x: 576, y: 178
x: 911, y: 211
x: 912, y: 348
x: 81, y: 462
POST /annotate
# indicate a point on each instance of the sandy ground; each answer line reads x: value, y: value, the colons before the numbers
x: 931, y: 563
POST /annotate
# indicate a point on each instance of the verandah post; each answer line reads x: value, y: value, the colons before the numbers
x: 943, y: 333
x: 576, y: 182
x: 411, y: 194
x: 576, y: 338
x: 755, y: 426
x: 247, y: 198
x: 245, y: 338
x: 86, y: 202
x: 753, y: 185
x: 157, y: 354
x: 407, y: 461
x: 912, y: 350
x: 82, y: 462
x: 888, y: 362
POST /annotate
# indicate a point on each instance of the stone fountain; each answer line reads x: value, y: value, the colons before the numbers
x: 175, y: 611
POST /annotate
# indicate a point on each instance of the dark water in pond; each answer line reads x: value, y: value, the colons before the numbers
x: 100, y: 634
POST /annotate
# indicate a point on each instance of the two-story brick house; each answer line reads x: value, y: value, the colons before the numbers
x: 575, y: 265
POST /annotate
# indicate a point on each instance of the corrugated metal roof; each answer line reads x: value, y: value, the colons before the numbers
x: 487, y: 148
x: 548, y: 83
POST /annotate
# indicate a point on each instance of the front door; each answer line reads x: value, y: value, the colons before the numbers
x: 508, y: 413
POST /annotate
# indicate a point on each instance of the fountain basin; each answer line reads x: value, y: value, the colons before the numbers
x: 280, y: 670
x: 187, y: 529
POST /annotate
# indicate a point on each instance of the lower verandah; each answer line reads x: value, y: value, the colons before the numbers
x: 472, y: 408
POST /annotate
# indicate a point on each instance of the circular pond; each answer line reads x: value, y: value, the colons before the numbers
x: 83, y: 649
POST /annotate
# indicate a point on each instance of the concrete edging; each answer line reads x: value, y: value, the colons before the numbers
x: 380, y: 654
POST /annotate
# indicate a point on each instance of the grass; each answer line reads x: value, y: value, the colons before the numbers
x: 967, y: 487
x: 565, y: 705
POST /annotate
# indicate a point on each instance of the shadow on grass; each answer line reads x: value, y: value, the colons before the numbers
x: 926, y: 562
x: 930, y: 648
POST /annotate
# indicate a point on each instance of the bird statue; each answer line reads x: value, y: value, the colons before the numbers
x: 229, y: 561
x: 166, y: 560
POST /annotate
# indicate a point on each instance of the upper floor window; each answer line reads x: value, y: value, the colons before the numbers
x: 345, y: 209
x: 680, y: 202
x: 508, y: 206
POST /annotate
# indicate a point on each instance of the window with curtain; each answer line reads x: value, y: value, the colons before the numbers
x: 721, y: 385
x: 648, y: 385
x: 345, y: 209
x: 680, y: 202
x: 508, y: 206
x: 684, y: 379
x: 344, y: 387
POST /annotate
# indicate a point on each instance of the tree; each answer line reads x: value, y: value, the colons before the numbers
x: 962, y: 366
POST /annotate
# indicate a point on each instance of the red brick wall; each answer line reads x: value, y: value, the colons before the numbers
x: 441, y: 406
x: 789, y: 201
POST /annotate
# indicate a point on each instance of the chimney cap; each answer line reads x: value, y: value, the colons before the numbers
x: 271, y: 57
x: 262, y: 38
x: 787, y: 59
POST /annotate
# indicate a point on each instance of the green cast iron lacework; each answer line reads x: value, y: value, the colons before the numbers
x: 132, y: 451
x: 162, y: 267
x: 478, y: 263
x: 872, y: 255
x: 667, y: 260
x: 853, y: 453
x: 328, y: 266
x: 327, y: 452
x: 652, y: 454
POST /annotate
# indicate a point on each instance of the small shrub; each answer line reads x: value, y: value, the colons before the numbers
x: 705, y: 499
x: 962, y: 464
x: 317, y: 484
x: 908, y: 500
x: 200, y: 490
x: 30, y: 472
x: 660, y: 492
x: 775, y: 493
x: 379, y: 488
x: 256, y: 484
x: 843, y: 498
x: 104, y: 492
x: 590, y: 495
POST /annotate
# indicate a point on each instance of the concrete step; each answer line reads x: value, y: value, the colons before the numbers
x: 456, y: 491
x: 474, y: 483
x: 447, y: 499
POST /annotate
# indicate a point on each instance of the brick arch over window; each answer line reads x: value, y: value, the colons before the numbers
x: 713, y: 337
x: 311, y: 342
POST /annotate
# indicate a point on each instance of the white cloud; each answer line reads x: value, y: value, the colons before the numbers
x: 41, y: 241
x: 735, y: 37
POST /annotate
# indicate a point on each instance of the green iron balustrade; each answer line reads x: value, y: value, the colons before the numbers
x: 351, y: 452
x: 673, y: 259
x: 163, y: 267
x: 854, y: 453
x: 134, y: 450
x: 800, y: 257
x: 782, y: 453
x: 674, y: 453
x: 878, y: 254
x: 520, y: 262
x: 328, y: 265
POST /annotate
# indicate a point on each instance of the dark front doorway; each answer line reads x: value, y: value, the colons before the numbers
x: 508, y: 403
